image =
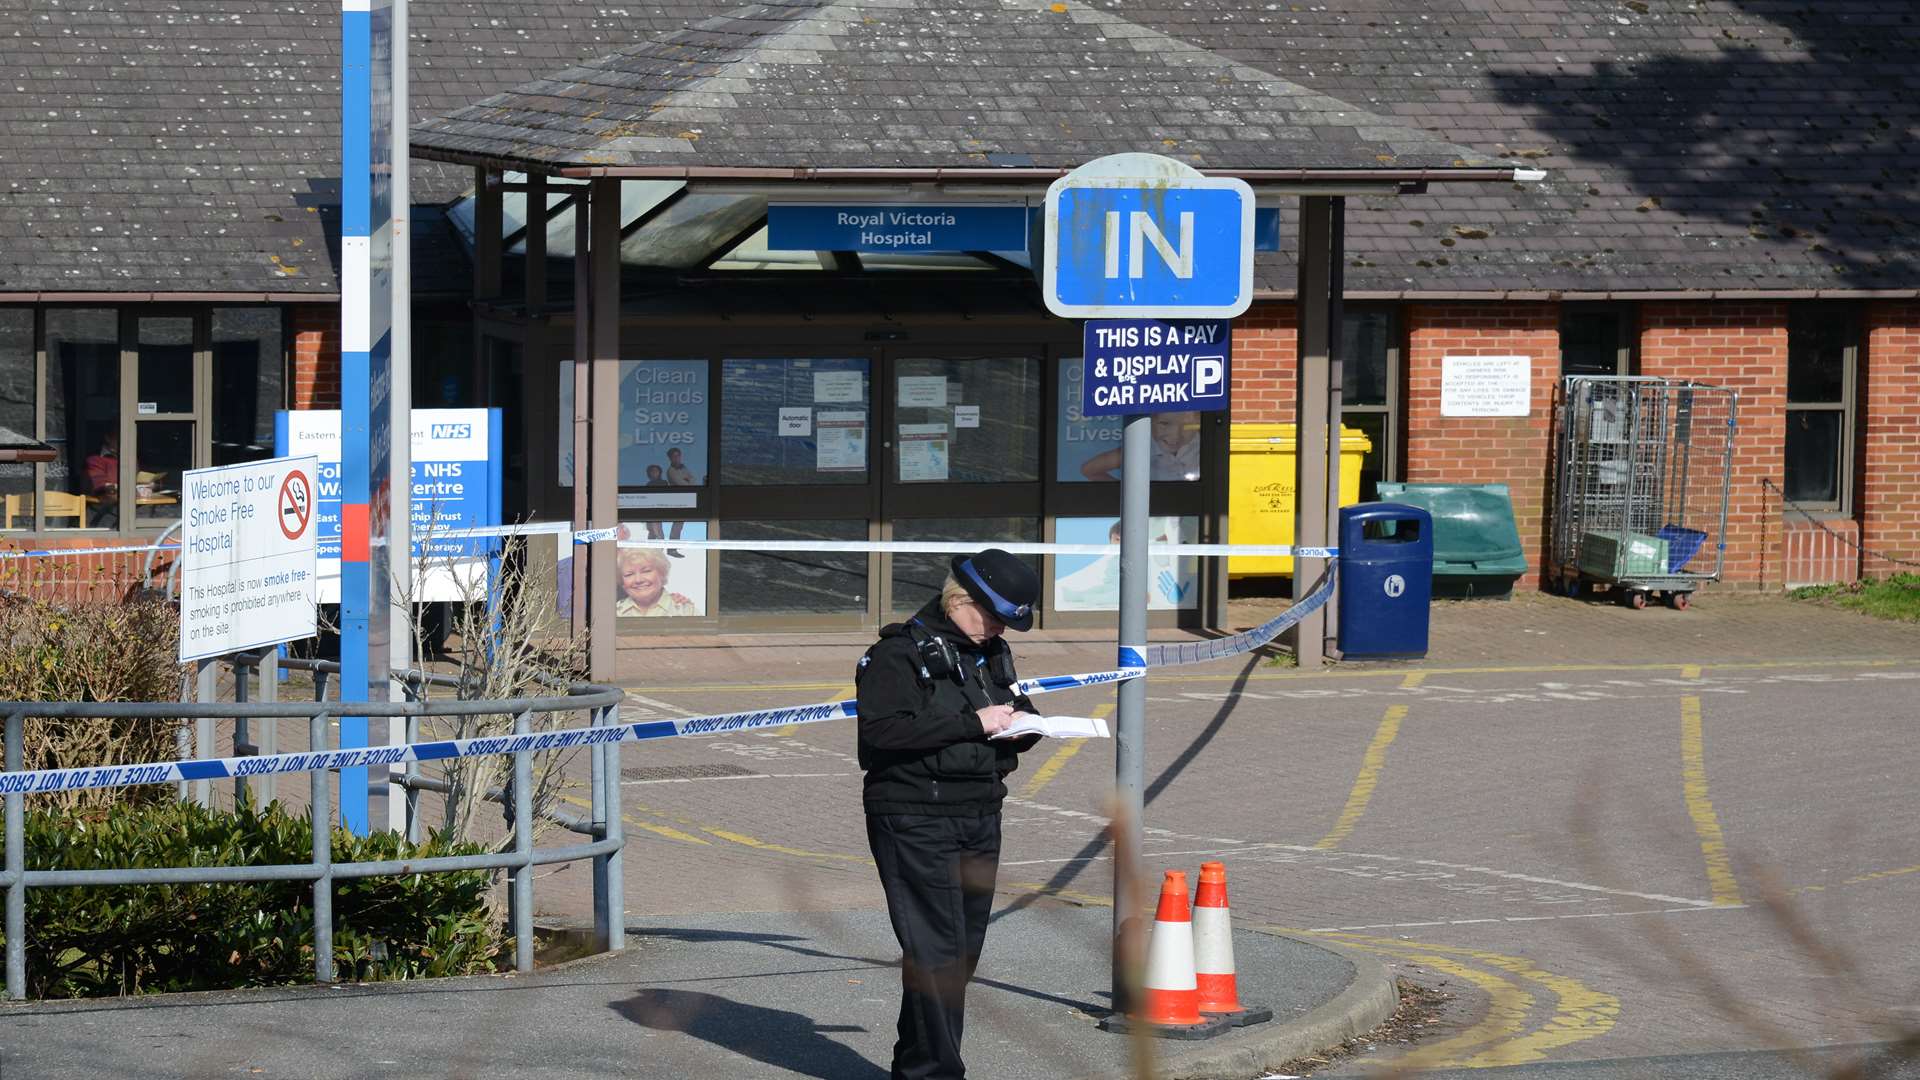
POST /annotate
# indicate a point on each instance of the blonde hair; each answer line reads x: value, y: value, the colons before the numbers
x: 953, y: 594
x: 643, y: 556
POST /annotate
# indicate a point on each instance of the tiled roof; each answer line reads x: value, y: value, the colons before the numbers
x: 191, y: 145
x: 894, y: 83
x: 1700, y: 145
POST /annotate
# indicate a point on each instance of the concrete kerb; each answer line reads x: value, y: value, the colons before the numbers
x: 1367, y: 1002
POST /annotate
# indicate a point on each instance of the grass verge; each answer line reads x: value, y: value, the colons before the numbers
x: 1897, y: 597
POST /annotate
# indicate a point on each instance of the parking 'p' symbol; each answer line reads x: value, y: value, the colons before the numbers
x: 1209, y: 376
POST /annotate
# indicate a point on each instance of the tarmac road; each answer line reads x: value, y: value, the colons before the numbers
x: 1623, y: 845
x: 1601, y: 863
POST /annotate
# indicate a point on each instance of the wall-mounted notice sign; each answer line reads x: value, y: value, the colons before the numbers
x: 903, y: 227
x: 1486, y: 386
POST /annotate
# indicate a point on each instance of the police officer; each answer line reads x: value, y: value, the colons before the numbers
x: 932, y: 691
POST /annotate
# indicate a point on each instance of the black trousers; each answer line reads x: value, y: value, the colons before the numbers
x: 938, y: 873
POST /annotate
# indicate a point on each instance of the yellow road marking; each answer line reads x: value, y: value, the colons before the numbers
x: 1060, y: 894
x: 1323, y: 676
x: 1051, y: 767
x: 1691, y: 671
x: 1370, y: 766
x: 1713, y: 843
x: 1580, y: 1012
x: 1880, y: 874
x: 1413, y: 679
x: 667, y: 831
x: 762, y: 845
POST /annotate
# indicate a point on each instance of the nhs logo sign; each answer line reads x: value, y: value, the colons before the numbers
x: 1143, y: 236
x: 451, y: 431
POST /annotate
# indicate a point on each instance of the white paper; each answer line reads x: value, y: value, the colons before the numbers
x: 658, y: 500
x: 923, y: 452
x: 837, y: 386
x: 1055, y: 727
x: 1486, y: 385
x: 923, y: 392
x: 966, y: 416
x: 796, y: 422
x: 841, y: 440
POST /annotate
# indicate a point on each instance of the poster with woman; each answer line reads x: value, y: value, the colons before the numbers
x: 661, y: 582
x: 1092, y: 582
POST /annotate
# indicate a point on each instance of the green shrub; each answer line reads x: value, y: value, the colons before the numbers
x: 128, y: 939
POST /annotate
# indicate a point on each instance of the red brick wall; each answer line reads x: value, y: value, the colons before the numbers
x: 316, y: 356
x: 1515, y: 451
x: 1889, y: 425
x: 1263, y: 364
x: 1742, y: 345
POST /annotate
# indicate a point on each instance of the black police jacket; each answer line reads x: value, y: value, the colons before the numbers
x: 920, y: 743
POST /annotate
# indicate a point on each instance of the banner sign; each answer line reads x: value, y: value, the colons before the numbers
x: 903, y: 227
x: 457, y: 464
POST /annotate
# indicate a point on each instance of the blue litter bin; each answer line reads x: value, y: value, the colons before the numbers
x: 1386, y: 580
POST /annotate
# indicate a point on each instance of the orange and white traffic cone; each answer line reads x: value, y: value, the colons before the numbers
x: 1214, y: 974
x: 1169, y: 1001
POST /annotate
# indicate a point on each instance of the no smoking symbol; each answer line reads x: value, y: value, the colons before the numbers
x: 295, y: 505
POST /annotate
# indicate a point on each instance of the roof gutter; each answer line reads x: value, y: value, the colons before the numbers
x: 144, y: 297
x: 965, y: 174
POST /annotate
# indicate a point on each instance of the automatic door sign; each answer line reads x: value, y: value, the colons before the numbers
x: 247, y: 547
x: 296, y: 504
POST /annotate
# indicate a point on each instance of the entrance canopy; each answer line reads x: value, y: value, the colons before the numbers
x: 667, y: 155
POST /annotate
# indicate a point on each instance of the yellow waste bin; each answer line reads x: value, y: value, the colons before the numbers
x: 1260, y: 490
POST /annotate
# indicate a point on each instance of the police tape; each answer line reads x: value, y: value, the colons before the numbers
x: 893, y: 547
x: 1135, y: 662
x: 919, y: 547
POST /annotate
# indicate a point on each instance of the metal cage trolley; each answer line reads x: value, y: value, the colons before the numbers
x: 1641, y: 487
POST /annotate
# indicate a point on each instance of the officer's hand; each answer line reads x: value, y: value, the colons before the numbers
x: 996, y: 718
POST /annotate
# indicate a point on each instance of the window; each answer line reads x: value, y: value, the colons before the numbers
x: 1822, y: 354
x: 178, y: 387
x: 1369, y: 394
x: 16, y: 407
x: 1596, y: 339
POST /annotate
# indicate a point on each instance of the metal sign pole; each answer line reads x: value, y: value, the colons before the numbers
x: 1137, y: 363
x: 1130, y: 746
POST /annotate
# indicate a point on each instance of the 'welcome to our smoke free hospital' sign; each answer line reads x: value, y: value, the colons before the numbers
x: 247, y: 546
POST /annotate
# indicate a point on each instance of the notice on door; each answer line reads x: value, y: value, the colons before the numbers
x: 923, y: 392
x: 247, y: 551
x: 1486, y: 385
x: 923, y: 452
x: 841, y: 441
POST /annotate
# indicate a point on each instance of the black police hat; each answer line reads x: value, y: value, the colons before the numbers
x: 1002, y: 584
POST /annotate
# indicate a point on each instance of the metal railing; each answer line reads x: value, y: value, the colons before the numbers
x: 603, y: 827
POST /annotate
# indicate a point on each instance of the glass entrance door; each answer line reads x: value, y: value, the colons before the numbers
x: 167, y: 386
x: 961, y: 462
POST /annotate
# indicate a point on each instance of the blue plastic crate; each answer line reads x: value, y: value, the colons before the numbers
x: 1682, y: 545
